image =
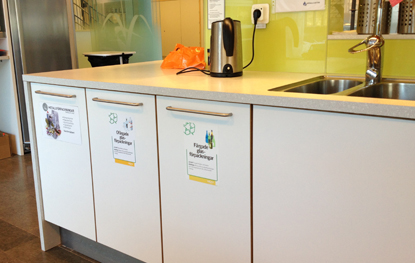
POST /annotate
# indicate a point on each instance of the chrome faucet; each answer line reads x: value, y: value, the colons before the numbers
x: 373, y: 48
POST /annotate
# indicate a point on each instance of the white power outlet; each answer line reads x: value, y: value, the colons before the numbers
x: 264, y: 18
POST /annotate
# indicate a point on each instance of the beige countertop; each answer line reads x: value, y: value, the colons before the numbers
x: 251, y: 88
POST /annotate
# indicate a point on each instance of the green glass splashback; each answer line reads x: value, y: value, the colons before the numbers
x: 297, y: 42
x: 397, y: 58
x: 340, y: 61
x: 292, y: 42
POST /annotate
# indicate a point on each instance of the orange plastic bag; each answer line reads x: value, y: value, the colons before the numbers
x: 183, y: 57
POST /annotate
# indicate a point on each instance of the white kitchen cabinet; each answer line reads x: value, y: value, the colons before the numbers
x: 64, y: 158
x: 125, y: 172
x: 205, y: 206
x: 331, y: 187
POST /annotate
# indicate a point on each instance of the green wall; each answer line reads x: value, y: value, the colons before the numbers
x: 297, y: 42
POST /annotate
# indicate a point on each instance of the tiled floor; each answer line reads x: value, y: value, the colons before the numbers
x: 19, y: 231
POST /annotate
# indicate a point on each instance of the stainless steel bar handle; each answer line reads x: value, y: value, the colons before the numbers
x: 55, y: 94
x: 217, y: 114
x: 117, y: 102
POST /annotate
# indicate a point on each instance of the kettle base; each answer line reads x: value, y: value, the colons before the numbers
x: 225, y: 75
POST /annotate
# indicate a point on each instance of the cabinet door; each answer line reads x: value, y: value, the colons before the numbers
x: 125, y: 172
x: 205, y: 182
x: 64, y: 158
x: 331, y: 187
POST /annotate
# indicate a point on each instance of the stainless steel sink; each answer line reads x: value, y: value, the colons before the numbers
x: 320, y: 85
x: 326, y: 86
x: 389, y: 88
x: 399, y: 91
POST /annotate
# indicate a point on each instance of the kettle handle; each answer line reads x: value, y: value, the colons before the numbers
x: 228, y: 36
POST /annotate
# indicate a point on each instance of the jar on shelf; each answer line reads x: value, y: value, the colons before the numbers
x: 366, y: 18
x: 406, y: 17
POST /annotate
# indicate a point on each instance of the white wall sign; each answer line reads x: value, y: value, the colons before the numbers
x: 216, y: 11
x: 299, y: 5
x: 201, y: 144
x: 62, y: 123
x: 123, y: 138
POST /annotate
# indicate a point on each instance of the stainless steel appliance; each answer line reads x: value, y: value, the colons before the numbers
x: 226, y: 48
x: 406, y: 23
x: 40, y: 34
x: 367, y: 13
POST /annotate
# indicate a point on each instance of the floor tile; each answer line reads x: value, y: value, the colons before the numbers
x: 18, y: 200
x: 20, y: 211
x: 19, y: 229
x: 11, y: 236
x: 31, y: 252
x: 16, y: 174
x: 4, y: 258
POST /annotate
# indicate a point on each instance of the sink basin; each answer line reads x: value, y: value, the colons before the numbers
x: 326, y: 86
x: 320, y: 85
x: 399, y: 91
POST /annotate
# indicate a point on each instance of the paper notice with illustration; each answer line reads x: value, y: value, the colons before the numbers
x: 201, y: 144
x: 123, y: 138
x: 62, y: 122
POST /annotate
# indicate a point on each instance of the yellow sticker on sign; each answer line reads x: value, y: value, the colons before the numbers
x: 202, y: 180
x: 124, y: 162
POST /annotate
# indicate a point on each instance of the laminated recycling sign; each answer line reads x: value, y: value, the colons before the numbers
x: 122, y: 138
x: 201, y: 143
x: 62, y: 123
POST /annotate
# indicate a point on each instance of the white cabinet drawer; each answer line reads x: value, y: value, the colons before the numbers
x: 64, y: 157
x: 125, y: 172
x: 205, y: 185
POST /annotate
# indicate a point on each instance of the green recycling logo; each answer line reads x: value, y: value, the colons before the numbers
x: 113, y: 118
x: 189, y: 128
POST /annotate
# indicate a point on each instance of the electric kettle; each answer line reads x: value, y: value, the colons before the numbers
x: 226, y: 49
